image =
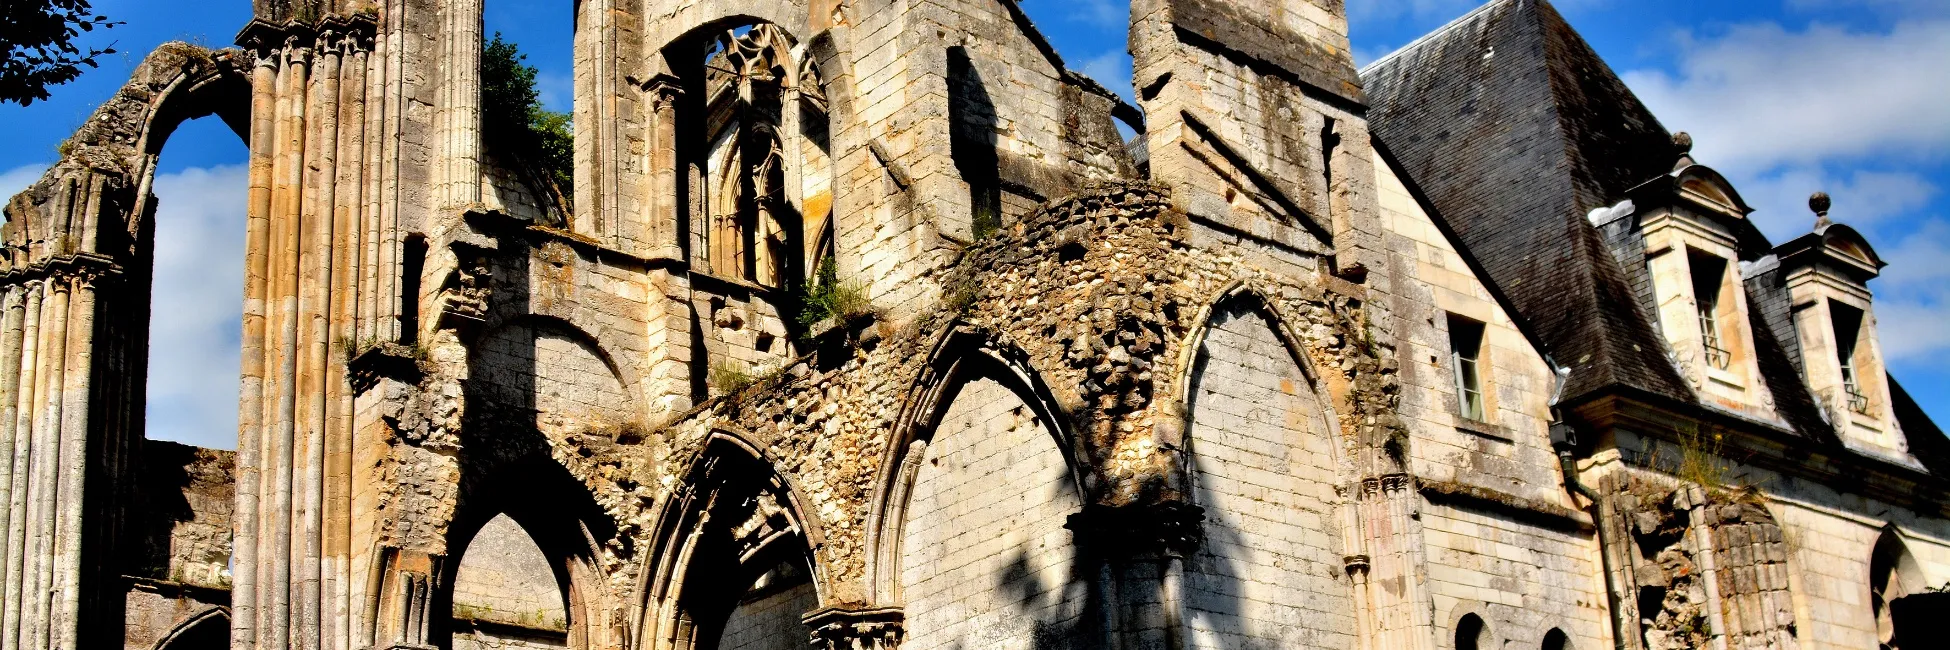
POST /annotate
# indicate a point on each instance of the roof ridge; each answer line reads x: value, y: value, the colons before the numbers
x: 1433, y: 35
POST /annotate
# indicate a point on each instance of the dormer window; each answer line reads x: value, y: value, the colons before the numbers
x: 1848, y: 330
x: 1465, y: 356
x: 1709, y: 279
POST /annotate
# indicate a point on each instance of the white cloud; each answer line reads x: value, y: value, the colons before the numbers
x: 1761, y: 96
x: 1102, y: 13
x: 196, y: 327
x: 1913, y: 295
x: 1864, y: 199
x: 14, y: 180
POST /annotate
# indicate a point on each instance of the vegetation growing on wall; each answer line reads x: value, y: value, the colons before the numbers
x: 828, y: 297
x: 515, y: 124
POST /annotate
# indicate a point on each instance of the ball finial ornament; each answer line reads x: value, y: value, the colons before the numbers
x: 1819, y: 203
x: 1684, y: 141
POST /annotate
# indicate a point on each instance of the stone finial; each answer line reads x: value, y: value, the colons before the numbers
x: 1819, y: 203
x: 1683, y: 141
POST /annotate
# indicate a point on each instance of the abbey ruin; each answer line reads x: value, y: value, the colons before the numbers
x: 1460, y: 351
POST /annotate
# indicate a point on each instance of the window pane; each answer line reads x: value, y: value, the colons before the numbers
x: 1465, y: 350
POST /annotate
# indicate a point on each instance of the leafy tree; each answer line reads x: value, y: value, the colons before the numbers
x: 514, y: 121
x: 37, y: 47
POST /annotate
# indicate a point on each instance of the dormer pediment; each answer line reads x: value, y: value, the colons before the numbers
x: 1707, y: 189
x: 1836, y: 246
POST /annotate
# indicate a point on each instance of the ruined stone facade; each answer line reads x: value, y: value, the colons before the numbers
x: 1253, y: 379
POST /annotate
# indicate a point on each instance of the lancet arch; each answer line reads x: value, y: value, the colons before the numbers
x: 1253, y: 411
x: 957, y: 357
x: 554, y: 511
x: 731, y: 563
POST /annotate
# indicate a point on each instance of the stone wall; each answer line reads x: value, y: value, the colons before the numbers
x: 505, y: 579
x: 988, y: 508
x: 1268, y: 572
x: 769, y: 619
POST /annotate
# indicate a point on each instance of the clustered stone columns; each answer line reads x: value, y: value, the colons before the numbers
x: 55, y: 453
x: 1384, y: 549
x: 311, y: 242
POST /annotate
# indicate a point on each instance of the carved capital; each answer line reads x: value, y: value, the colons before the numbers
x: 1172, y: 527
x: 857, y: 629
x: 1386, y: 486
x: 664, y: 91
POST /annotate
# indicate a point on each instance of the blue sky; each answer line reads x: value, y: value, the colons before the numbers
x: 1783, y: 96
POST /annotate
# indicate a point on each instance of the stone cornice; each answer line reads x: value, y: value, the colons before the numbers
x: 89, y: 266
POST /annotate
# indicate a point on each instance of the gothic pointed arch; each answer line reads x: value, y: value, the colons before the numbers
x: 1893, y: 575
x: 1263, y: 462
x: 957, y: 356
x: 981, y: 486
x: 205, y: 630
x: 561, y: 518
x: 731, y: 558
x: 96, y: 198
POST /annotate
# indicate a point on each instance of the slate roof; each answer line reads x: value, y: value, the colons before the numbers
x: 1517, y: 130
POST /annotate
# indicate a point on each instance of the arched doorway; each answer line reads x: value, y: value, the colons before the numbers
x: 1894, y: 576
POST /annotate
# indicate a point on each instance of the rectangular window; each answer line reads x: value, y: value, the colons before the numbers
x: 1709, y: 278
x: 1848, y: 330
x: 1465, y: 355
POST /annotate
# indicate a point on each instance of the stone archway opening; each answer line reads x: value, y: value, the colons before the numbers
x: 734, y: 568
x: 506, y: 593
x: 194, y: 242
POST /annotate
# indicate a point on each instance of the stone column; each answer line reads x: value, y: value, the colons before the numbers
x: 1399, y: 618
x: 856, y: 629
x: 293, y: 537
x: 666, y: 233
x: 460, y: 112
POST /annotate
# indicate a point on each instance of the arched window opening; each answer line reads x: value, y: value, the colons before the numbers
x: 1894, y: 576
x: 1556, y: 640
x: 506, y: 593
x: 760, y: 156
x: 194, y: 234
x: 739, y: 569
x: 767, y: 616
x: 1473, y: 634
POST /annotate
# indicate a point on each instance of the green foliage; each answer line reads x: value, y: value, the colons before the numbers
x: 986, y: 220
x: 513, y: 120
x: 730, y: 377
x: 37, y: 47
x: 828, y: 297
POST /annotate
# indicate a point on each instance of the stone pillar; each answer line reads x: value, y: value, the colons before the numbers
x: 292, y: 588
x: 459, y: 123
x: 1398, y: 617
x: 666, y: 233
x: 856, y: 629
x: 1138, y: 552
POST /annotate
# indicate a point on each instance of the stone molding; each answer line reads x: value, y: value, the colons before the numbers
x: 878, y: 628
